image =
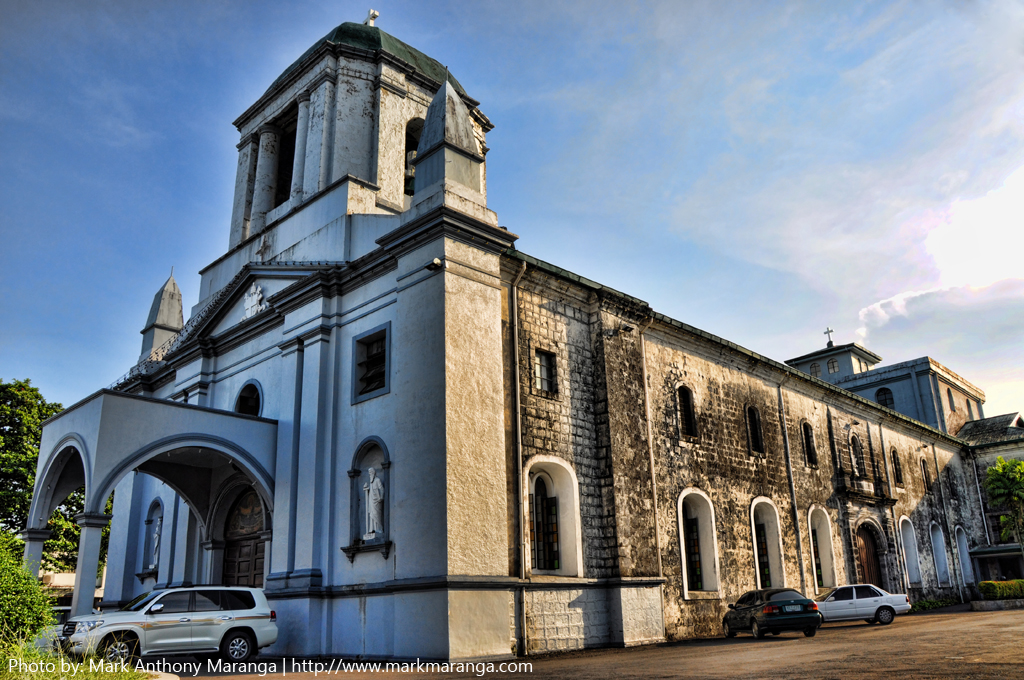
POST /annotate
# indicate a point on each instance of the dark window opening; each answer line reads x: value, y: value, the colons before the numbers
x: 810, y: 453
x: 754, y: 430
x: 949, y: 396
x: 926, y: 476
x: 694, y: 577
x: 687, y: 419
x: 817, y: 559
x: 833, y: 366
x: 763, y: 568
x: 816, y: 370
x: 970, y: 410
x: 286, y: 155
x: 857, y: 454
x: 544, y: 528
x: 248, y: 402
x: 897, y: 469
x: 544, y: 371
x: 884, y: 397
x: 412, y: 140
x: 373, y: 364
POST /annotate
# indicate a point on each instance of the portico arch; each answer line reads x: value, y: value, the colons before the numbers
x: 67, y: 469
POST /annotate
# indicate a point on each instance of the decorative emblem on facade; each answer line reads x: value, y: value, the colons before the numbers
x: 254, y: 303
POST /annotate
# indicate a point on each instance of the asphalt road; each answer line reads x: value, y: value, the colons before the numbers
x: 944, y: 644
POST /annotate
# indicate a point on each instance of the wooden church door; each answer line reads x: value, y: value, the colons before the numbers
x: 867, y: 555
x: 244, y: 548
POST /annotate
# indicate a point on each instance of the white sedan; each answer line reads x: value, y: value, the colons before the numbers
x: 861, y: 602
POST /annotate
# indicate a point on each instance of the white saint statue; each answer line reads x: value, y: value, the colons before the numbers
x: 374, y: 492
x: 156, y: 543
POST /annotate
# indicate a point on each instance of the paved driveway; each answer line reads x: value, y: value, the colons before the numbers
x: 945, y: 644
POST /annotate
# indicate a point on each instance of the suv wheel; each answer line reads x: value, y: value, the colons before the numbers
x: 120, y: 648
x: 237, y: 646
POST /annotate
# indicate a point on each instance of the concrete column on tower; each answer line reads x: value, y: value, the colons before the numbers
x: 34, y: 539
x: 245, y: 178
x: 92, y: 525
x: 266, y: 177
x: 299, y: 166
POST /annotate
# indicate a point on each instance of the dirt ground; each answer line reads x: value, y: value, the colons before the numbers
x: 950, y: 643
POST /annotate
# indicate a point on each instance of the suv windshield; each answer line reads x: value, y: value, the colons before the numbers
x: 140, y: 602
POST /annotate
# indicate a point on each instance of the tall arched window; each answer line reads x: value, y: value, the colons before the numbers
x: 412, y: 140
x: 248, y: 402
x: 755, y: 438
x: 884, y: 397
x: 970, y: 410
x: 553, y: 521
x: 833, y: 366
x: 965, y: 555
x: 949, y: 396
x: 544, y: 537
x: 699, y: 542
x: 897, y: 469
x: 910, y: 556
x: 816, y: 370
x: 939, y: 555
x: 764, y: 525
x: 857, y: 456
x: 926, y: 476
x: 687, y: 417
x: 821, y: 547
x: 810, y: 452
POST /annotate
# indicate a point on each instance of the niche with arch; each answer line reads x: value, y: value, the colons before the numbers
x: 766, y: 532
x: 910, y: 555
x: 965, y: 555
x: 699, y: 542
x: 153, y: 537
x: 553, y: 507
x: 939, y: 555
x: 370, y: 499
x: 821, y: 548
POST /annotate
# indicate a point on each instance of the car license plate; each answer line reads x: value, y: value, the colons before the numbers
x: 792, y: 608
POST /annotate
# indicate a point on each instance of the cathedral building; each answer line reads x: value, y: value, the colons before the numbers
x: 423, y: 442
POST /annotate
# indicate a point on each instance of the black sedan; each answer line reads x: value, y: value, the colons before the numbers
x: 774, y: 610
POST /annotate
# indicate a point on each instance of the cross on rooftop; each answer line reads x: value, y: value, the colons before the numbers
x: 829, y: 332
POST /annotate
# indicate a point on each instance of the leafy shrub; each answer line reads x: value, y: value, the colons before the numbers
x: 1002, y: 590
x: 25, y: 608
x: 925, y: 605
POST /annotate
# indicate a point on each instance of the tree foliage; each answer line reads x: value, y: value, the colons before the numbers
x: 1004, y: 482
x: 25, y: 608
x: 22, y: 412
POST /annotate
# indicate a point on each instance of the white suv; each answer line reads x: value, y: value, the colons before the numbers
x: 199, y: 621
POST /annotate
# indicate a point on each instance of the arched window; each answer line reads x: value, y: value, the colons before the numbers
x: 699, y: 541
x: 764, y: 528
x: 248, y: 402
x: 910, y: 556
x: 553, y: 507
x: 810, y: 452
x: 755, y: 438
x: 897, y: 469
x: 926, y: 476
x: 949, y: 396
x: 821, y: 547
x: 857, y: 456
x: 816, y: 370
x: 687, y: 418
x: 970, y: 410
x: 965, y: 555
x: 884, y: 397
x: 833, y: 366
x: 939, y: 555
x: 412, y: 140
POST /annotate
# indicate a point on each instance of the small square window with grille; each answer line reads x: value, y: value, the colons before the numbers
x: 544, y: 371
x: 371, y: 363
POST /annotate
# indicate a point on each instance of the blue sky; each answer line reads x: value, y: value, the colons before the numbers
x: 759, y: 170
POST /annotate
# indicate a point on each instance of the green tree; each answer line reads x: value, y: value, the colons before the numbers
x: 25, y: 608
x: 22, y: 412
x: 1004, y: 482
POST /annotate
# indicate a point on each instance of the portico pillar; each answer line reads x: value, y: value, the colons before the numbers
x: 34, y: 540
x: 214, y: 561
x: 266, y: 177
x: 299, y: 165
x: 92, y: 524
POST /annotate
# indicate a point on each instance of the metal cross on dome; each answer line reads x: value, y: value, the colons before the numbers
x: 828, y: 332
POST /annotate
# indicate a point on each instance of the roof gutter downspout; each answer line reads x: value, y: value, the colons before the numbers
x: 520, y: 509
x: 650, y: 451
x: 792, y: 487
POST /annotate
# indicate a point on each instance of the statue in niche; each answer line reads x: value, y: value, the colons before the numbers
x: 374, y: 494
x: 156, y: 542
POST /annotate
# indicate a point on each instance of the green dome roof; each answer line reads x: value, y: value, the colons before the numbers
x: 372, y: 38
